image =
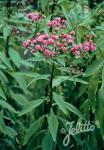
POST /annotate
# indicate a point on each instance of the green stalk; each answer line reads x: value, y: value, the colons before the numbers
x: 51, y: 88
x: 8, y: 5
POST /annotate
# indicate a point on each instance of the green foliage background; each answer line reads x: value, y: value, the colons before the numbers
x: 26, y: 119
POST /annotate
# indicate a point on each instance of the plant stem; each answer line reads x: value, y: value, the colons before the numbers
x: 8, y: 16
x: 51, y: 81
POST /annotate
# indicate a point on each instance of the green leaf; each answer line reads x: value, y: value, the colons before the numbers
x: 2, y: 124
x: 6, y: 105
x: 15, y: 57
x: 36, y: 59
x: 60, y: 102
x: 34, y: 75
x: 2, y: 94
x: 6, y: 31
x: 47, y: 143
x: 39, y: 77
x: 94, y: 67
x: 66, y: 5
x: 78, y: 80
x: 53, y: 125
x: 100, y: 110
x: 27, y: 64
x: 30, y: 106
x: 10, y: 132
x: 33, y: 129
x: 59, y: 79
x: 61, y: 61
x: 73, y: 109
x: 5, y: 60
x: 103, y: 77
x: 21, y: 81
x: 92, y: 91
x: 19, y: 98
x: 3, y: 66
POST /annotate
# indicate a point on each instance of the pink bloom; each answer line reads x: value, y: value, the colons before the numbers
x: 39, y: 39
x: 43, y: 47
x: 33, y: 51
x: 63, y: 26
x: 80, y: 46
x: 58, y: 44
x: 34, y: 16
x: 75, y: 47
x: 64, y: 44
x: 64, y: 35
x: 58, y: 19
x: 37, y: 47
x: 46, y: 35
x: 51, y: 53
x: 64, y: 49
x: 70, y: 41
x: 51, y: 41
x: 72, y: 33
x: 63, y: 22
x: 26, y: 44
x: 86, y: 48
x: 33, y: 41
x: 38, y: 34
x: 76, y: 53
x: 86, y: 44
x: 63, y: 40
x: 55, y: 37
x: 92, y: 48
x: 45, y: 42
x: 57, y: 23
x: 46, y: 52
x: 68, y: 37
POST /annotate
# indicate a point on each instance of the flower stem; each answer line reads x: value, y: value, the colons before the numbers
x: 51, y: 81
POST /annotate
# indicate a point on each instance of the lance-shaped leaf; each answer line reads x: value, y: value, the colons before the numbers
x: 15, y: 57
x: 47, y: 143
x: 53, y: 125
x: 95, y: 66
x: 73, y: 109
x: 6, y: 105
x: 2, y: 94
x: 30, y: 106
x: 34, y: 127
x: 5, y: 60
x: 60, y: 102
x: 59, y: 79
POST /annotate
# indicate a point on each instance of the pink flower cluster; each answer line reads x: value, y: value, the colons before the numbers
x: 86, y: 46
x: 56, y: 43
x: 35, y: 16
x: 58, y: 23
x: 50, y: 46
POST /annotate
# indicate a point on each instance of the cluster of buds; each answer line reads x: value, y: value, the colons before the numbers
x: 78, y: 49
x: 35, y: 16
x: 15, y: 31
x: 75, y: 70
x: 58, y: 23
x: 50, y: 45
x: 56, y: 43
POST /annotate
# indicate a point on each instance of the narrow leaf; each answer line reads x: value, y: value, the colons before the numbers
x: 30, y: 106
x: 95, y: 66
x: 60, y: 102
x: 53, y: 125
x: 6, y: 105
